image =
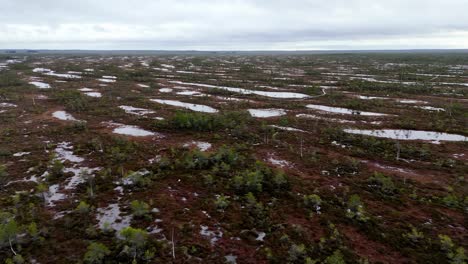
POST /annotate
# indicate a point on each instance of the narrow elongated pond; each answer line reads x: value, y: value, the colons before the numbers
x: 434, y: 137
x: 340, y: 110
x: 193, y: 107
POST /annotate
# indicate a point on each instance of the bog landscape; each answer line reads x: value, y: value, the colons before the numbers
x: 228, y: 157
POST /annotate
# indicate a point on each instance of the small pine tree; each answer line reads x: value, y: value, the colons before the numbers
x: 33, y: 231
x: 41, y: 190
x: 96, y: 253
x: 335, y: 258
x: 139, y: 209
x: 135, y: 239
x: 83, y: 208
x: 3, y: 174
x: 55, y: 170
x: 222, y: 202
x: 355, y: 209
x: 8, y: 231
x: 313, y: 201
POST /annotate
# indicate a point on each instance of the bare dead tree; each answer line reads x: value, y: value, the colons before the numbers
x: 173, y: 245
x: 398, y: 150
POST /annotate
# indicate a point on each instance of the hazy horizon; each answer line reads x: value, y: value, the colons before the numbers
x: 242, y: 25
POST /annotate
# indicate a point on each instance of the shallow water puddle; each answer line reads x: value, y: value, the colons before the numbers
x: 168, y: 66
x: 109, y: 218
x: 288, y: 128
x: 431, y: 108
x: 63, y: 75
x: 340, y: 110
x: 191, y: 93
x: 364, y: 97
x: 337, y: 120
x: 129, y: 130
x: 165, y: 90
x: 203, y: 146
x: 386, y: 167
x: 161, y: 69
x: 135, y: 110
x: 6, y: 105
x: 108, y: 79
x: 77, y: 177
x: 232, y: 99
x: 231, y: 259
x: 278, y: 162
x: 451, y: 83
x: 64, y: 152
x: 265, y: 113
x: 21, y: 154
x: 62, y: 115
x: 49, y: 72
x: 409, y: 101
x: 284, y: 95
x: 132, y: 131
x: 94, y: 94
x: 434, y: 137
x: 260, y: 236
x: 53, y: 195
x: 213, y: 235
x: 86, y: 90
x: 41, y: 85
x: 193, y: 107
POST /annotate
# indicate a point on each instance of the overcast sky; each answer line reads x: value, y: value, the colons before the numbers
x: 233, y: 24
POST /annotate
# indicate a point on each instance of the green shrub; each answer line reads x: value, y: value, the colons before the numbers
x: 456, y: 255
x: 446, y: 243
x: 8, y: 230
x: 3, y: 174
x: 17, y: 259
x: 312, y: 90
x: 206, y: 122
x: 228, y: 156
x: 415, y: 235
x: 83, y: 208
x: 451, y: 200
x: 383, y: 183
x: 256, y: 215
x: 260, y: 178
x: 33, y: 231
x: 73, y: 100
x: 141, y: 178
x: 355, y: 209
x: 336, y: 258
x: 222, y: 202
x: 135, y: 239
x: 248, y: 181
x: 56, y: 168
x: 296, y: 253
x: 8, y: 79
x: 313, y: 201
x: 139, y: 209
x: 96, y: 253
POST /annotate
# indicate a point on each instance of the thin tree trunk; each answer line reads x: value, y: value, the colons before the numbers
x: 302, y: 143
x: 398, y: 150
x: 173, y: 246
x: 11, y: 246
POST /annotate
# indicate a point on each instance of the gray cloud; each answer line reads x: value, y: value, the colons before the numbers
x: 234, y: 24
